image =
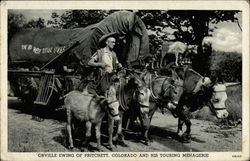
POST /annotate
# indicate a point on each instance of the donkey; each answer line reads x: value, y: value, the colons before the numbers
x: 134, y: 102
x: 165, y: 92
x: 199, y: 91
x: 90, y: 109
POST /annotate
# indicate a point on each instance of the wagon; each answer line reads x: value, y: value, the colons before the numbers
x: 51, y: 61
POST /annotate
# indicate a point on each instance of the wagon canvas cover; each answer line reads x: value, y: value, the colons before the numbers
x: 42, y: 45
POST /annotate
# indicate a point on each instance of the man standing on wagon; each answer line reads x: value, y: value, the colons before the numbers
x: 106, y: 61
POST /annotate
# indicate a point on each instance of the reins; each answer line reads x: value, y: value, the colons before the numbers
x: 121, y: 95
x: 109, y: 103
x: 219, y: 91
x: 213, y: 109
x: 153, y: 96
x: 108, y: 109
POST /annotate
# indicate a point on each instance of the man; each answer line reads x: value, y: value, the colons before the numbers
x: 106, y: 61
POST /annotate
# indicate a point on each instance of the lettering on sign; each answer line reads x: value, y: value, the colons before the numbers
x: 46, y: 50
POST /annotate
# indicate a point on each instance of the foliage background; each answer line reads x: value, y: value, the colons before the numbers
x: 188, y: 26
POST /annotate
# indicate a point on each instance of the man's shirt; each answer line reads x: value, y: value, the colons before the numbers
x: 106, y: 57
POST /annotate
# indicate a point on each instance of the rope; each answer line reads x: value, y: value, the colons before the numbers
x: 121, y: 95
x: 153, y: 96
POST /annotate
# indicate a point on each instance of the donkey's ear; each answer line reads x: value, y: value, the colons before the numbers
x: 206, y: 81
x: 103, y: 101
x: 99, y: 97
x: 174, y: 74
x: 232, y: 84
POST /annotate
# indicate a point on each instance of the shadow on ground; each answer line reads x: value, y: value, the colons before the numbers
x: 163, y: 136
x: 38, y: 112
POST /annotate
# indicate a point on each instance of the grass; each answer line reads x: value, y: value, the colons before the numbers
x: 233, y: 105
x: 234, y: 102
x: 226, y: 66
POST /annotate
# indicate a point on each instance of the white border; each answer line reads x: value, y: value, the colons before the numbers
x: 161, y: 5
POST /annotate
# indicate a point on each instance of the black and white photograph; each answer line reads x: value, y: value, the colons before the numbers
x: 125, y: 81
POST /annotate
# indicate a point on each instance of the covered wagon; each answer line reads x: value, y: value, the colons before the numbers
x: 46, y: 60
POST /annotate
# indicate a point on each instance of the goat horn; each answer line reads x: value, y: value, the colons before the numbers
x: 230, y: 84
x: 100, y: 97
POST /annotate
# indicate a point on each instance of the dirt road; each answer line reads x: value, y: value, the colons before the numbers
x: 28, y: 135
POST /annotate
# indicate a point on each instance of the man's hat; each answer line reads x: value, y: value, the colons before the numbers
x: 106, y: 36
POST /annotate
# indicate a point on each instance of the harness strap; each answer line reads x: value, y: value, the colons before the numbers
x: 219, y: 91
x: 113, y: 114
x: 218, y: 109
x: 112, y: 102
x: 122, y: 100
x: 198, y: 86
x: 164, y: 90
x: 143, y: 106
x: 213, y: 109
x: 107, y: 110
x: 155, y: 98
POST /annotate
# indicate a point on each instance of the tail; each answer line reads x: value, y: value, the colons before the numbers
x: 64, y: 96
x: 61, y: 108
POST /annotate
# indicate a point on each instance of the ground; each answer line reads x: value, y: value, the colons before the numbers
x: 26, y: 134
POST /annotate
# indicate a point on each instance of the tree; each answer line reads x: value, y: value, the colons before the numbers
x: 228, y: 65
x: 15, y: 24
x: 189, y: 26
x: 39, y: 23
x: 155, y: 23
x: 55, y: 20
x: 200, y: 27
x: 77, y: 18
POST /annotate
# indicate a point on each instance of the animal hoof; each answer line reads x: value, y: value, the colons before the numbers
x: 174, y: 114
x: 98, y: 149
x: 185, y: 139
x: 151, y: 139
x: 122, y: 143
x: 115, y: 143
x: 121, y: 137
x: 111, y: 148
x: 147, y: 143
x: 83, y: 150
x: 70, y: 147
x: 186, y: 136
